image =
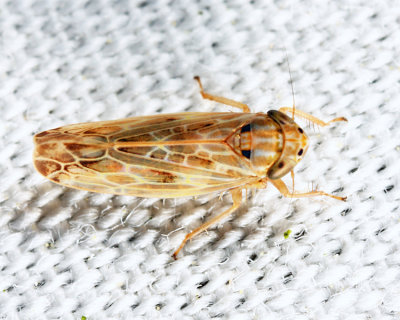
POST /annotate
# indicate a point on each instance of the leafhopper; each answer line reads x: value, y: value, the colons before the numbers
x: 181, y: 154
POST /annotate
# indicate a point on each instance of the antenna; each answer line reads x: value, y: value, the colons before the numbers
x: 291, y: 83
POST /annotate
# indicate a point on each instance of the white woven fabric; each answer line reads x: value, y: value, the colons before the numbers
x: 70, y: 254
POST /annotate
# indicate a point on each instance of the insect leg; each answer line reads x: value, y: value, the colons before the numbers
x: 229, y: 102
x: 309, y: 117
x: 237, y: 200
x: 292, y: 175
x: 280, y: 185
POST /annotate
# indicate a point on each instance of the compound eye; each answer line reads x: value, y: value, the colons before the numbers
x: 279, y: 169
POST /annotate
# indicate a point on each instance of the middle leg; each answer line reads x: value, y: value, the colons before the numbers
x: 229, y: 102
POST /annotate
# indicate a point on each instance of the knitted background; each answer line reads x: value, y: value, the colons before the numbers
x: 70, y: 254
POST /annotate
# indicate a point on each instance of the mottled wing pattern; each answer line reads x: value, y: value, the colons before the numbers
x: 168, y: 155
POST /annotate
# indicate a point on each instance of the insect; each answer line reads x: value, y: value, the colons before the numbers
x: 182, y: 154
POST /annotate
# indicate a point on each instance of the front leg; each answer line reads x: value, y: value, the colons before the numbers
x: 282, y: 188
x: 309, y: 117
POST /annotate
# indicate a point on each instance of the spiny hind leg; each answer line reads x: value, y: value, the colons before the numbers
x: 282, y: 188
x: 237, y: 200
x: 309, y: 117
x: 229, y: 102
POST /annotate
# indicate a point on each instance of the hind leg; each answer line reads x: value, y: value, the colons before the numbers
x: 237, y: 200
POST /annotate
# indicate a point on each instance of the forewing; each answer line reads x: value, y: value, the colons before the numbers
x: 157, y: 156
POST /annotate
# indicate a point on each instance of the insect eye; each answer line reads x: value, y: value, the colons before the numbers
x: 300, y: 152
x: 300, y: 130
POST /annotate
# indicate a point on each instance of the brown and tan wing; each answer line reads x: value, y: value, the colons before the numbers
x: 165, y: 156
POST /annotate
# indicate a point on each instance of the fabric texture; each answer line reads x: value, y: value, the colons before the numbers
x: 70, y: 254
